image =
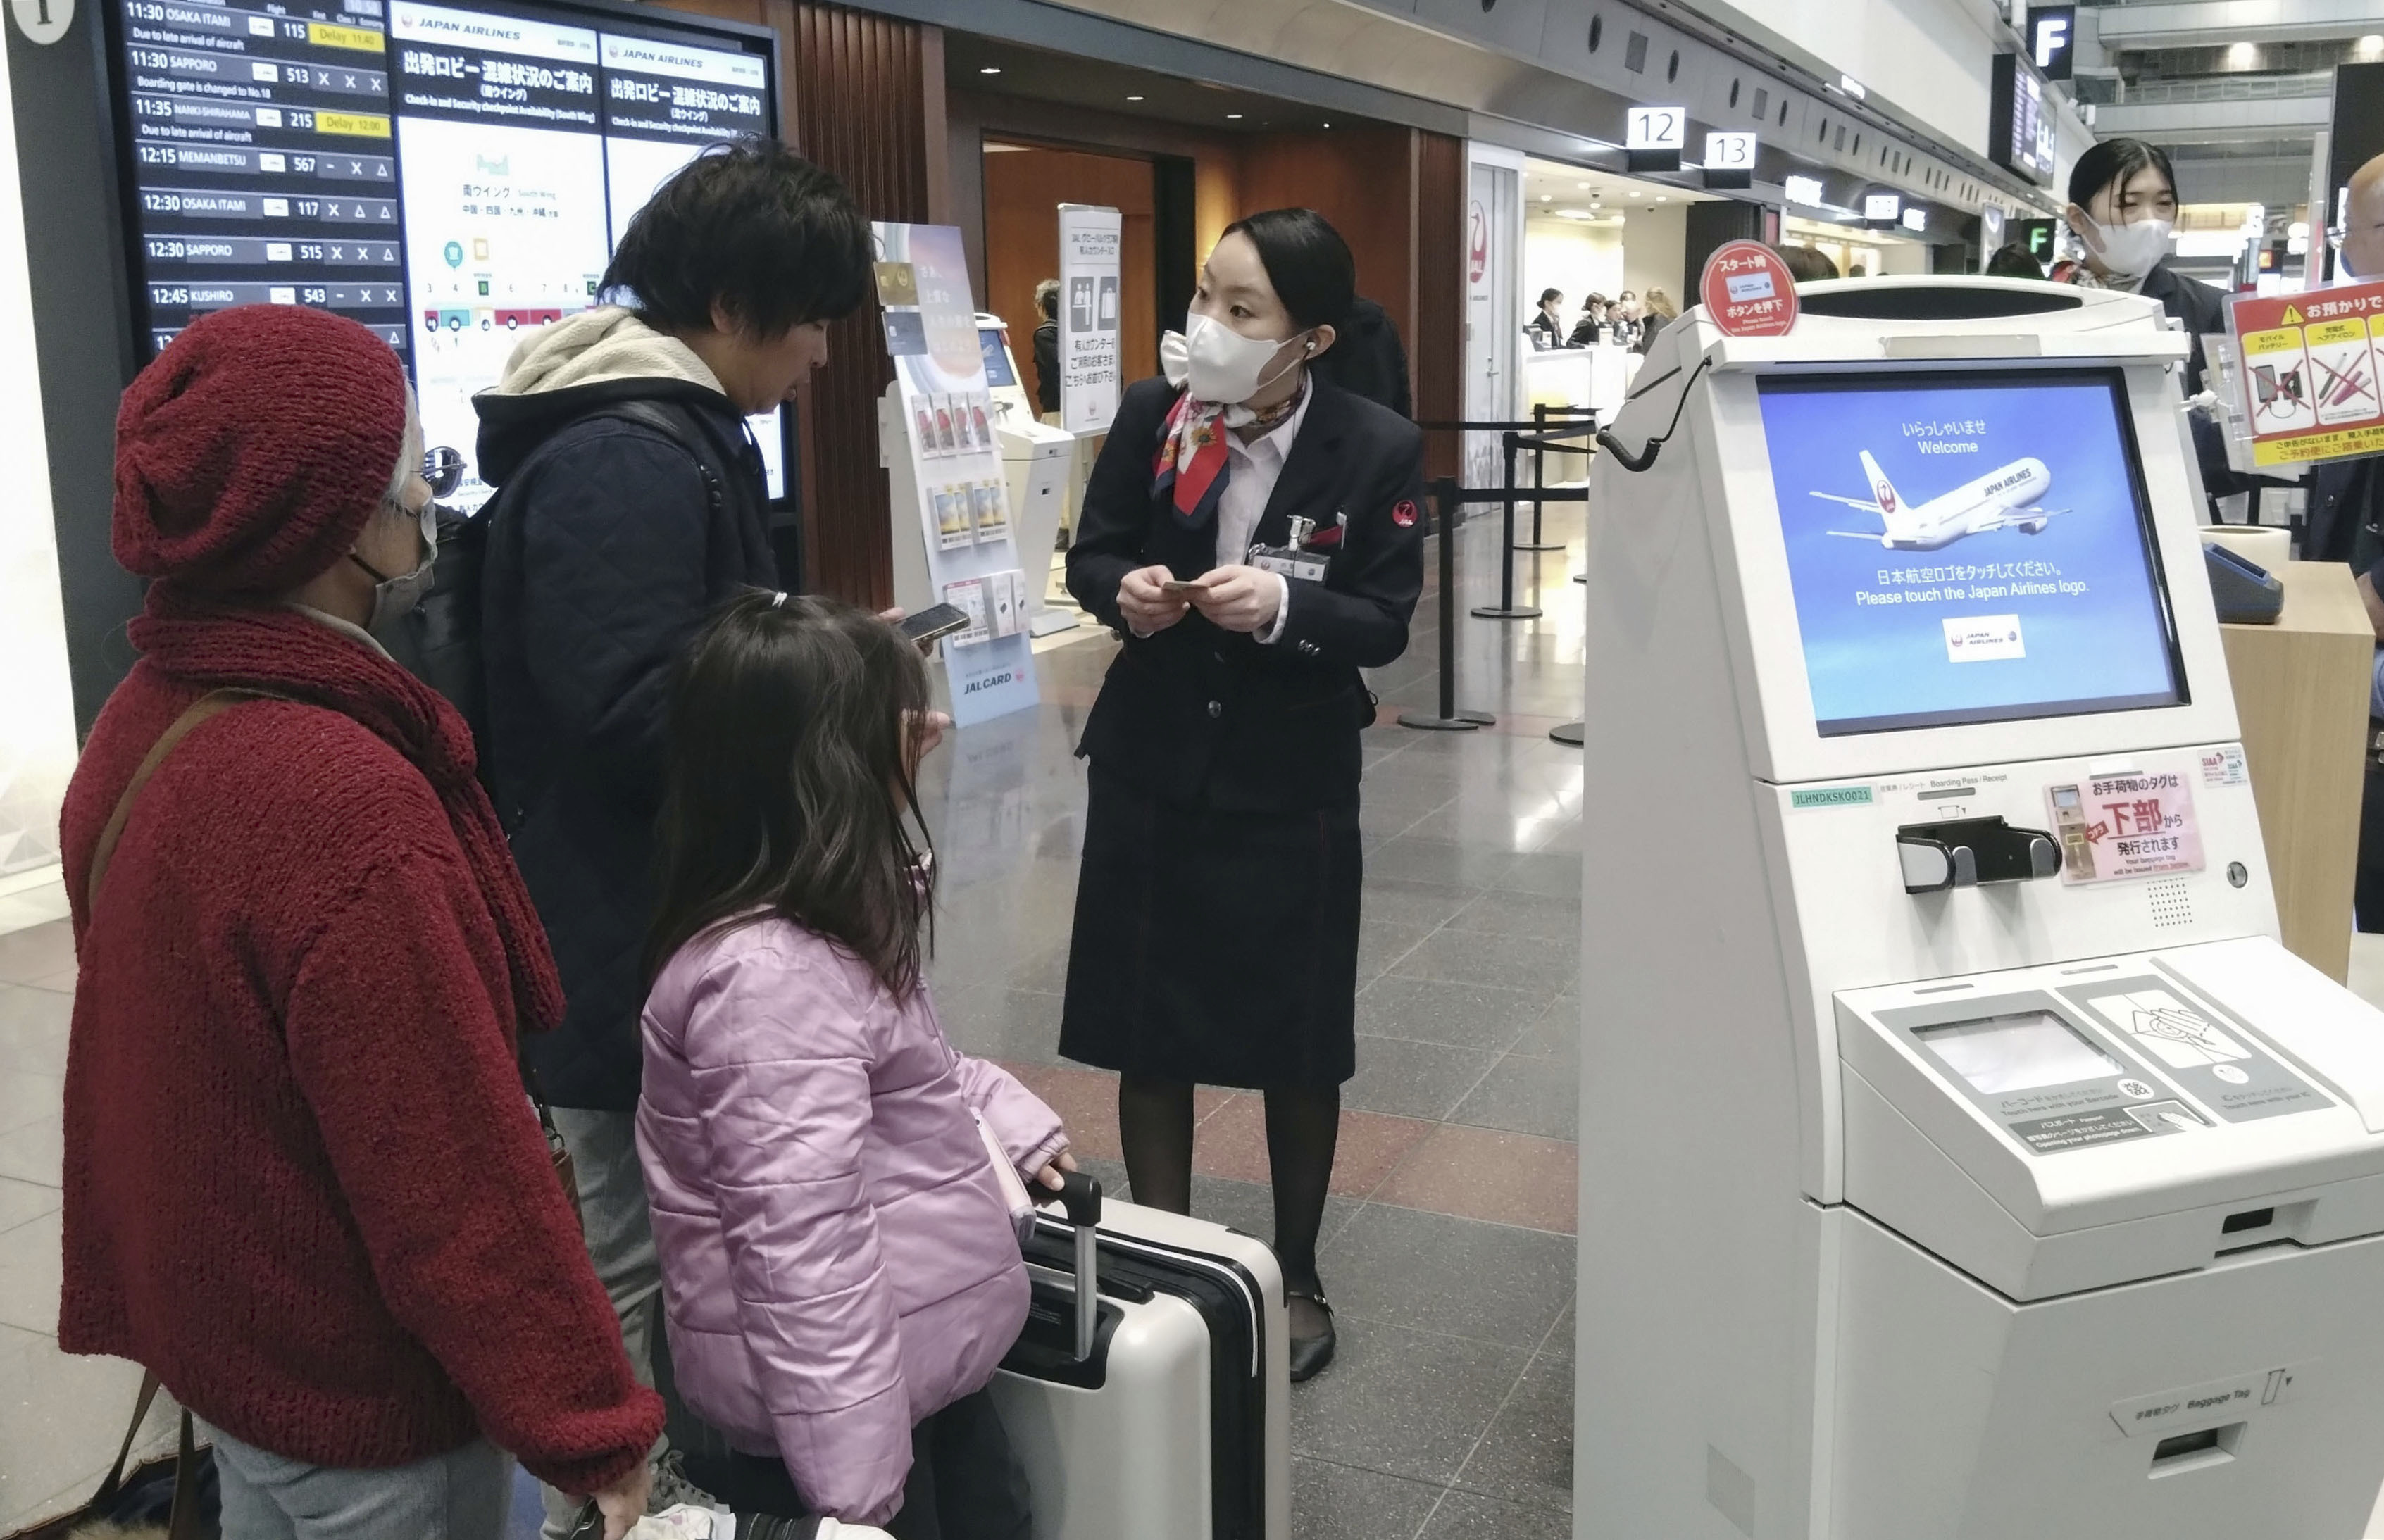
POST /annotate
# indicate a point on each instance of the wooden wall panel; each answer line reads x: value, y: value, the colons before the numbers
x: 1024, y: 187
x: 859, y: 87
x: 979, y: 116
x: 1436, y: 347
x: 1361, y: 179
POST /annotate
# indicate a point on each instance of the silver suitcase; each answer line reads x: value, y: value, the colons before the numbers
x: 1163, y: 1413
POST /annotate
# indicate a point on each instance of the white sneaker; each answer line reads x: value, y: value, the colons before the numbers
x: 689, y: 1522
x: 686, y: 1522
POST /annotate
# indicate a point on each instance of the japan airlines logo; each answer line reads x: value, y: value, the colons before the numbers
x: 1885, y: 494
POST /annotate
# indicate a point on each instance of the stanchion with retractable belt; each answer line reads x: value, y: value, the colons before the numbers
x: 1446, y: 497
x: 1565, y: 418
x: 1446, y: 500
x: 1506, y: 609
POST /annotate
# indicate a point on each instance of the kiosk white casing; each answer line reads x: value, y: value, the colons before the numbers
x: 1828, y: 1288
x: 1039, y: 463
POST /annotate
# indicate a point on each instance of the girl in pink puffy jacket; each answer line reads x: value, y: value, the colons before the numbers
x: 841, y: 1274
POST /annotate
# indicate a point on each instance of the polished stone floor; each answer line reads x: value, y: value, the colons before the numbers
x: 1449, y: 1249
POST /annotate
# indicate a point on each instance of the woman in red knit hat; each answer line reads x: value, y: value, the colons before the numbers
x: 303, y: 1184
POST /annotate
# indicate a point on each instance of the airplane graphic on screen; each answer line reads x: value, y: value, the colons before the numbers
x: 2004, y: 499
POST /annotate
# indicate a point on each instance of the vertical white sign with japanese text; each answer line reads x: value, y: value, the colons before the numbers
x: 955, y: 460
x: 1091, y: 238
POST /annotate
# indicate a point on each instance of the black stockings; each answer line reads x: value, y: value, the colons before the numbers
x: 1155, y: 1125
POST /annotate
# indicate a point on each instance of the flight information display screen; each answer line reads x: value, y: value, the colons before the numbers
x: 453, y: 177
x: 1968, y: 551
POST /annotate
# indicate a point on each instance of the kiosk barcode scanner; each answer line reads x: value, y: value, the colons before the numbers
x: 1962, y: 1155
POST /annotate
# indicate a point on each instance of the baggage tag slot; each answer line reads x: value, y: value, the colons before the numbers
x: 2180, y: 1452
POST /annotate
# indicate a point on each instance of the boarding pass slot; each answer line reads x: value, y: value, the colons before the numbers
x: 2272, y: 1225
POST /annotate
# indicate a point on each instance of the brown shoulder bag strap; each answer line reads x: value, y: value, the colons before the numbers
x: 184, y: 1522
x: 214, y: 704
x: 183, y: 1519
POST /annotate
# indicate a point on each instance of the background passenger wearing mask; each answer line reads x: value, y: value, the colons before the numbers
x: 611, y: 541
x: 1593, y: 319
x: 1547, y: 326
x: 303, y: 1184
x: 2122, y: 208
x: 1623, y: 317
x: 1047, y: 347
x: 1216, y: 928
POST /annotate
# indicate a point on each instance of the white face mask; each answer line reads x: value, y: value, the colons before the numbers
x: 2129, y: 250
x: 1218, y: 363
x: 393, y: 598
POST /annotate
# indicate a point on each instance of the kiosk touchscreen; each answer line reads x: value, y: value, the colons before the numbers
x: 1962, y: 1157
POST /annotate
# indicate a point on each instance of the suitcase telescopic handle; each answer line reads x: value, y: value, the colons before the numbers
x: 1080, y: 1198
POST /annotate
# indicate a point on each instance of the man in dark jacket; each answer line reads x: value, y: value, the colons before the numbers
x: 2346, y: 524
x: 1368, y: 360
x: 1047, y: 346
x: 631, y: 502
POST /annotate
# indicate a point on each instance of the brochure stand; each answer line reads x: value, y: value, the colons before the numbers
x: 943, y: 464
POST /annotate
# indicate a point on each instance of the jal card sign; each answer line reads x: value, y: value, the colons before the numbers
x: 1747, y: 291
x: 2314, y: 372
x: 2137, y: 824
x: 1091, y: 238
x: 954, y: 462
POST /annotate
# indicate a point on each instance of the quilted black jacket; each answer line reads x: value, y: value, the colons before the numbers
x: 611, y: 544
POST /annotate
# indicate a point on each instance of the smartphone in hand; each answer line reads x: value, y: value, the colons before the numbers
x: 934, y: 621
x: 1180, y: 589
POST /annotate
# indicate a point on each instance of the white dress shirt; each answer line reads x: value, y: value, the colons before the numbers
x: 1255, y: 467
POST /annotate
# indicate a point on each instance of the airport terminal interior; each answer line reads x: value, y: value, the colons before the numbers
x: 1796, y: 720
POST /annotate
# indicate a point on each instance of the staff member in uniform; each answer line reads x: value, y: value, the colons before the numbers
x: 2123, y: 202
x: 1253, y: 532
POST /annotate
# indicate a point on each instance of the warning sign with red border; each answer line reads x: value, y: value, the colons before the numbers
x: 2313, y: 372
x: 1747, y: 291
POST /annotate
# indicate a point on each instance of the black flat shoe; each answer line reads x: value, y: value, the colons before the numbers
x: 1311, y: 1354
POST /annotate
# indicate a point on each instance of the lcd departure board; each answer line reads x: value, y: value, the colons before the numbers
x: 261, y: 143
x: 451, y: 176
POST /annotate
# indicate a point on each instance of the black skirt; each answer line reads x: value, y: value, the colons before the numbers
x: 1219, y: 948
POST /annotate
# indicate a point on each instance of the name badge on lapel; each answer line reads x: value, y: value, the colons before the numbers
x: 1294, y: 559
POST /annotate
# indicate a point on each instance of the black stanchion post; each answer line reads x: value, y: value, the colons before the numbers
x: 1446, y: 497
x: 1506, y: 609
x: 1539, y: 477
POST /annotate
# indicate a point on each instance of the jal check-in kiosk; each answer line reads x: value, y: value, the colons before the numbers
x: 1962, y: 1155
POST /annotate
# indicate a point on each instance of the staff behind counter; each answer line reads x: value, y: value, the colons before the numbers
x: 2346, y: 524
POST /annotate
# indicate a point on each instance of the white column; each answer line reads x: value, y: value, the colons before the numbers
x: 37, y: 743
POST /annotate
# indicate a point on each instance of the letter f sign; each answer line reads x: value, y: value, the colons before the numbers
x: 2052, y: 37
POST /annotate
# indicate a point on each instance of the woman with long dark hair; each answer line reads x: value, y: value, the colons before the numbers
x: 841, y: 1274
x: 1255, y: 536
x: 2122, y: 208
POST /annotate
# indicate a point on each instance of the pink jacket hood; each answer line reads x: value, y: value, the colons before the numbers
x: 837, y: 1261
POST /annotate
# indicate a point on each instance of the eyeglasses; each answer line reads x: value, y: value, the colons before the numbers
x: 443, y: 468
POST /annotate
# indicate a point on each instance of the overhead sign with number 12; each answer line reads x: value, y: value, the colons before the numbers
x: 1653, y: 137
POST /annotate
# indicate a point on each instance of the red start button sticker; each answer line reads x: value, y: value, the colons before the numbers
x: 1748, y: 291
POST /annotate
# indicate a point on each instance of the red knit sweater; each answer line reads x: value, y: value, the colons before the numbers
x: 301, y: 1181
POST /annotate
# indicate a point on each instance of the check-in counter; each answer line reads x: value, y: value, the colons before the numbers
x: 2301, y: 696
